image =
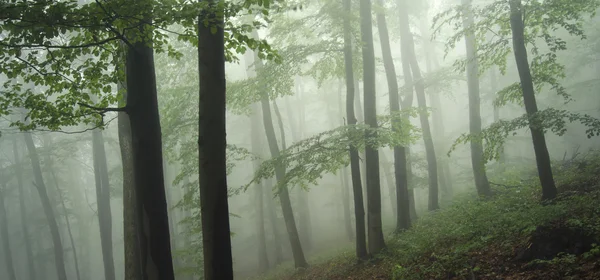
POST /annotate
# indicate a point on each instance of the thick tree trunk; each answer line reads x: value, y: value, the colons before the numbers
x: 59, y: 259
x: 132, y: 259
x: 142, y: 108
x: 411, y: 59
x: 8, y: 257
x: 542, y: 156
x: 103, y: 203
x: 216, y: 240
x: 375, y: 231
x: 263, y: 260
x: 481, y: 181
x: 31, y: 272
x: 359, y: 211
x: 400, y: 163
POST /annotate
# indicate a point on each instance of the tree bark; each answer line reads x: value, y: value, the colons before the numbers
x: 376, y: 242
x: 216, y: 240
x: 481, y: 181
x: 8, y: 257
x: 23, y: 211
x: 542, y: 157
x: 408, y: 45
x: 132, y: 261
x: 142, y: 108
x: 400, y: 163
x: 59, y: 259
x: 359, y: 211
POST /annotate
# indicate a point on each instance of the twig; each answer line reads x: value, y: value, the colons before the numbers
x: 103, y: 110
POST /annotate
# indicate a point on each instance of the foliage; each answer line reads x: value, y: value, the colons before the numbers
x: 477, y: 238
x: 554, y: 120
x: 67, y: 59
x: 308, y: 160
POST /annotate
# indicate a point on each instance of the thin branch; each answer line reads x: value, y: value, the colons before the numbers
x: 103, y: 110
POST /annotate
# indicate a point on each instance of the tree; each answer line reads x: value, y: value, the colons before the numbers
x: 59, y: 259
x: 400, y: 163
x: 408, y: 53
x: 218, y: 263
x: 375, y: 232
x: 283, y: 192
x: 8, y: 257
x: 22, y: 209
x: 542, y: 157
x: 142, y: 109
x: 481, y: 182
x: 103, y: 203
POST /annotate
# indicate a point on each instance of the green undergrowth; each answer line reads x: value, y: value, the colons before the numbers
x: 512, y: 236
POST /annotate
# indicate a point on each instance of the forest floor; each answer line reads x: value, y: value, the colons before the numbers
x: 512, y: 236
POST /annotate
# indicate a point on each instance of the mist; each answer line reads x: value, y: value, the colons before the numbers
x: 314, y: 130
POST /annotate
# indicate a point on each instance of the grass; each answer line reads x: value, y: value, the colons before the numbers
x: 500, y: 238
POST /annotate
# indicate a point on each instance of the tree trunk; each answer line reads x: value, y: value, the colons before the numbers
x: 263, y: 260
x: 23, y: 211
x: 283, y: 193
x: 59, y: 259
x: 142, y: 107
x: 439, y: 133
x: 103, y: 203
x: 8, y: 257
x: 494, y: 88
x: 400, y: 163
x: 274, y: 221
x: 542, y: 156
x: 132, y: 261
x: 481, y: 181
x: 409, y: 52
x: 345, y: 186
x: 375, y: 232
x: 359, y: 211
x: 304, y: 223
x: 216, y: 233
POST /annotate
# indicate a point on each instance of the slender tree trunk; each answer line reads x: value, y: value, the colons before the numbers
x: 132, y: 260
x: 142, y: 108
x: 283, y: 192
x: 439, y: 133
x: 400, y: 163
x: 59, y: 259
x: 103, y: 203
x: 481, y: 181
x: 304, y: 224
x: 359, y: 211
x: 8, y: 257
x: 263, y: 260
x: 542, y: 156
x: 345, y: 186
x: 409, y: 52
x: 23, y: 211
x: 67, y: 222
x: 375, y: 232
x: 216, y: 240
x: 494, y: 88
x: 407, y: 101
x: 257, y: 142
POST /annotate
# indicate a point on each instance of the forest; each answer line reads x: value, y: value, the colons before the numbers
x: 321, y: 139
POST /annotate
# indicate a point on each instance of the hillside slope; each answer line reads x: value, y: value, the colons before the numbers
x: 512, y: 236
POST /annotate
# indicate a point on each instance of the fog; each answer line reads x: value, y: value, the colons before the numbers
x: 307, y: 96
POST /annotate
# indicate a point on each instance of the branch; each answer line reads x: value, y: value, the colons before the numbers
x: 48, y: 46
x: 101, y: 111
